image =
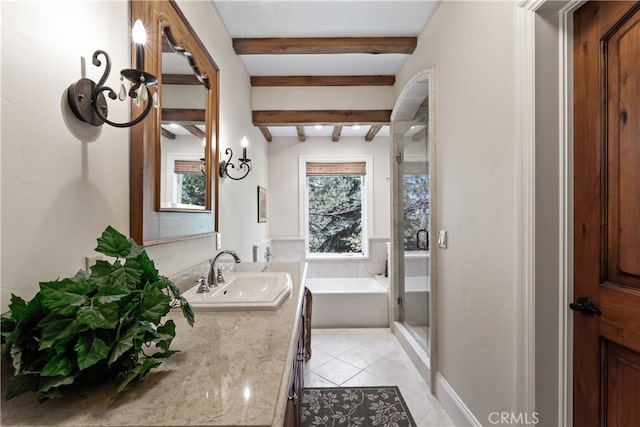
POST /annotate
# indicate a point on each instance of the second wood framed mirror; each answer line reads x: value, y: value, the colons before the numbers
x: 174, y: 151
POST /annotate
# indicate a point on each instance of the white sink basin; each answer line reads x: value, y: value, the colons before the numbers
x: 243, y: 291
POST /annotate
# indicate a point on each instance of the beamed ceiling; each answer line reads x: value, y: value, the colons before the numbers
x: 307, y: 44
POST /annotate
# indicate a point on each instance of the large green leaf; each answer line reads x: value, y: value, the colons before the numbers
x: 136, y: 249
x: 113, y: 243
x: 54, y: 382
x: 111, y: 293
x: 99, y: 316
x: 57, y: 331
x: 90, y: 350
x: 165, y: 334
x: 59, y: 364
x: 33, y: 312
x: 128, y: 275
x: 101, y: 273
x: 81, y: 276
x: 131, y: 305
x: 155, y: 304
x: 149, y: 269
x: 187, y: 311
x: 126, y: 341
x: 64, y: 296
x: 17, y: 306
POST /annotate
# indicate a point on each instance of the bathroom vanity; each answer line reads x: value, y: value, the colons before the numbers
x: 236, y: 368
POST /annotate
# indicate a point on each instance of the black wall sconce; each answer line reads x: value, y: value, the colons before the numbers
x: 86, y: 98
x: 244, y: 163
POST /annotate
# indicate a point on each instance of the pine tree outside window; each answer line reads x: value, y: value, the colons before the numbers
x: 416, y: 204
x: 335, y: 207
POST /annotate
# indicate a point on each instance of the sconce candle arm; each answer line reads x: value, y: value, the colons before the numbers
x: 112, y: 95
x: 87, y: 101
x: 107, y: 67
x: 243, y: 163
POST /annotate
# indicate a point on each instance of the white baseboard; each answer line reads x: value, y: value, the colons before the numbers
x: 459, y: 413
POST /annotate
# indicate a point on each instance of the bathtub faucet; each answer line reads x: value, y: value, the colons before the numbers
x: 215, y: 275
x: 268, y: 255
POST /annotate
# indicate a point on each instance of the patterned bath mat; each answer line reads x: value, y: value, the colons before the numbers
x: 355, y: 406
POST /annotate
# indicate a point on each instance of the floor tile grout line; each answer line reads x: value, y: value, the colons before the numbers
x: 408, y: 376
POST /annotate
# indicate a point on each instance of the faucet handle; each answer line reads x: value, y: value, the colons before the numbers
x: 219, y: 276
x: 202, y: 285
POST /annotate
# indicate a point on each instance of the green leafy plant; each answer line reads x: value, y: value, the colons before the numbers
x: 93, y: 327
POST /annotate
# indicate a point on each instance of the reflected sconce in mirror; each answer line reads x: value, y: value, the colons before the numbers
x: 86, y: 98
x: 244, y: 163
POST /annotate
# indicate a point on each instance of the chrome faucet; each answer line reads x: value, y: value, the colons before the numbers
x: 215, y: 275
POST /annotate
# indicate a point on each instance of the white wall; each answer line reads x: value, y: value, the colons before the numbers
x: 64, y: 182
x: 470, y: 44
x: 283, y: 179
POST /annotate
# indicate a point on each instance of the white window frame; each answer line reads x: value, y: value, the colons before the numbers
x: 367, y: 204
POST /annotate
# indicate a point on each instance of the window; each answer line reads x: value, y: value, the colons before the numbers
x: 416, y: 206
x: 185, y: 182
x: 335, y: 207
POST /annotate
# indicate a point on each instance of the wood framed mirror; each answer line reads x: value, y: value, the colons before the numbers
x: 173, y: 184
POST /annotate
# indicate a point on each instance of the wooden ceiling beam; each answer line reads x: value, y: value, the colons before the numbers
x: 373, y: 131
x: 180, y: 79
x: 195, y: 130
x: 335, y: 117
x: 324, y: 45
x: 301, y: 136
x: 380, y: 80
x: 266, y: 133
x: 167, y: 134
x: 183, y: 115
x: 337, y: 130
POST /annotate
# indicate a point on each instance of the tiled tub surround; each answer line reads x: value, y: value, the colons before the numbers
x: 233, y: 368
x: 291, y: 249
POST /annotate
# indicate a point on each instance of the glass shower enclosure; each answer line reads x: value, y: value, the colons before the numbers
x: 412, y: 225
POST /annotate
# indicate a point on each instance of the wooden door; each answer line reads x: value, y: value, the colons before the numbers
x: 606, y: 386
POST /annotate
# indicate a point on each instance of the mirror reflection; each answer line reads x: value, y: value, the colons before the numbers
x: 183, y: 141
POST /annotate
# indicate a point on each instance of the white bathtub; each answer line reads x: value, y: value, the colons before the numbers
x: 353, y: 302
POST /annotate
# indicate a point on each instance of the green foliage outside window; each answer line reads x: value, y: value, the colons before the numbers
x: 416, y: 208
x: 193, y: 190
x: 335, y: 214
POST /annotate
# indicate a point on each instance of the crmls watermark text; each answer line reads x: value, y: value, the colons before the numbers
x: 513, y: 418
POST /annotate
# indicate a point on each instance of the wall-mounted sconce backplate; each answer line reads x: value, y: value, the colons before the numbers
x: 79, y: 98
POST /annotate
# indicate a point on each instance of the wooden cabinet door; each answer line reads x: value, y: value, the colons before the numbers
x: 606, y: 365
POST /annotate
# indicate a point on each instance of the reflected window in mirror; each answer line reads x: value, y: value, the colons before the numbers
x: 183, y: 140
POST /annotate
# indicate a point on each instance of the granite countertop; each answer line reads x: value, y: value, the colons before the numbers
x: 233, y: 369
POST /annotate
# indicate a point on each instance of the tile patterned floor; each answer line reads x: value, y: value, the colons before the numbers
x: 371, y: 357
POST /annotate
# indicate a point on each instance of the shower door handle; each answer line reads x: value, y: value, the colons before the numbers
x: 422, y: 239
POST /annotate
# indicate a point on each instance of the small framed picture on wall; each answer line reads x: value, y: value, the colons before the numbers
x: 262, y: 204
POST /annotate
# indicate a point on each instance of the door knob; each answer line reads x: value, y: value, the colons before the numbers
x: 585, y: 306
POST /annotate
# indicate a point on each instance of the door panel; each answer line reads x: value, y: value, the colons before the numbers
x: 607, y: 213
x: 623, y: 383
x: 621, y: 53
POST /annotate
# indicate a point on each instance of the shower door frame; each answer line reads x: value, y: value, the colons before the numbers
x: 421, y: 86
